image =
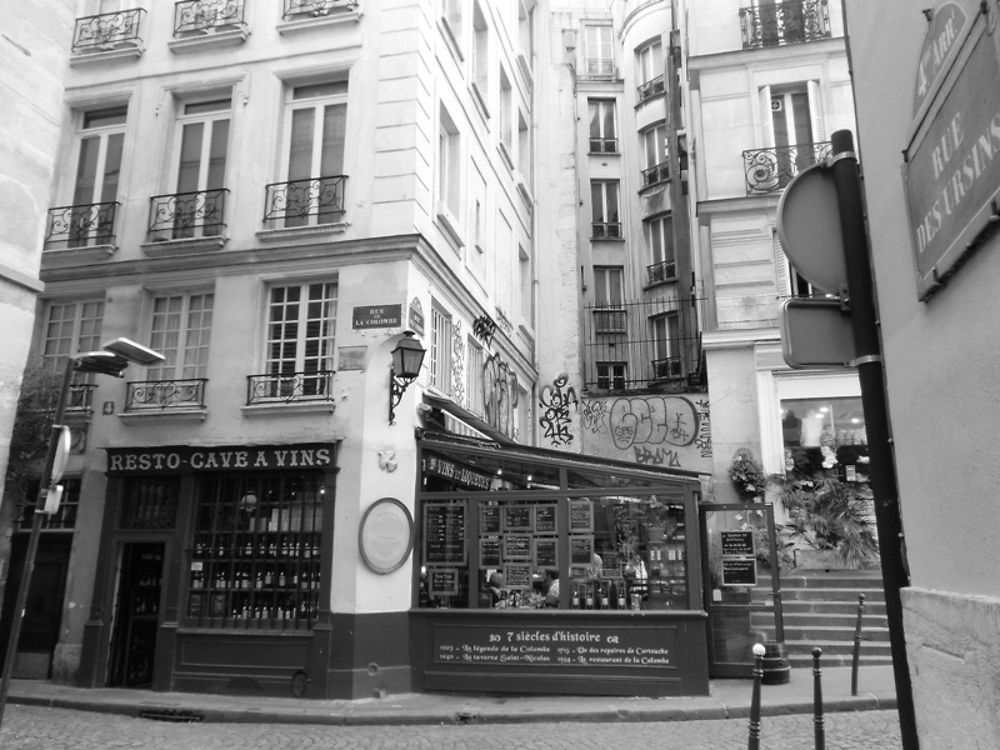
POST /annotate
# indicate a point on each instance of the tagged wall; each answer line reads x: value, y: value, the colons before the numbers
x: 668, y: 431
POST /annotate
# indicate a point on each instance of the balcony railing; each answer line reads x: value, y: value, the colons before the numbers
x: 625, y: 337
x: 662, y: 271
x: 204, y: 16
x: 656, y: 173
x: 601, y: 67
x: 107, y: 31
x: 603, y: 145
x: 83, y: 225
x: 317, y: 200
x: 601, y: 230
x: 778, y: 24
x: 187, y: 215
x: 769, y: 170
x: 149, y: 395
x: 650, y: 88
x: 295, y: 9
x: 316, y: 385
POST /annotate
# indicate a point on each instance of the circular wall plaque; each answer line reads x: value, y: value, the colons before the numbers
x: 385, y: 535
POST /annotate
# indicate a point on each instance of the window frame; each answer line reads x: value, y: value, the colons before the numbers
x: 602, y: 211
x: 442, y: 331
x: 597, y: 110
x: 193, y: 336
x: 302, y: 362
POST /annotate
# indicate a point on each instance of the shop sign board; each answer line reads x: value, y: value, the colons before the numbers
x: 186, y: 458
x: 951, y: 169
x: 545, y: 646
x: 377, y: 316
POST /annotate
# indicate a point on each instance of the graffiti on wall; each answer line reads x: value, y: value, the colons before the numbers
x: 670, y: 431
x: 500, y: 395
x: 556, y: 419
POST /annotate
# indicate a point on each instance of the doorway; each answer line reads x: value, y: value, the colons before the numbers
x: 742, y: 584
x: 137, y: 615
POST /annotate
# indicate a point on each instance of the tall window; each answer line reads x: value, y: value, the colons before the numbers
x: 181, y: 328
x: 791, y: 125
x: 506, y: 114
x: 315, y: 121
x: 649, y: 70
x: 525, y: 164
x: 603, y: 136
x: 604, y: 200
x: 654, y: 145
x: 441, y: 364
x: 301, y: 324
x: 659, y: 238
x: 475, y: 386
x: 203, y: 140
x: 480, y: 54
x: 95, y: 190
x: 449, y: 167
x: 609, y: 312
x: 452, y: 14
x: 527, y: 277
x: 71, y: 328
x: 666, y: 346
x: 525, y: 29
x: 599, y: 51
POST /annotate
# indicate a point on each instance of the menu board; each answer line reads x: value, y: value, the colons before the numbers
x: 581, y: 516
x: 545, y: 553
x: 739, y: 543
x: 489, y: 552
x: 545, y: 519
x: 443, y: 582
x: 489, y: 519
x: 739, y: 571
x: 444, y: 533
x: 517, y: 547
x: 581, y: 550
x: 517, y: 518
x: 517, y: 575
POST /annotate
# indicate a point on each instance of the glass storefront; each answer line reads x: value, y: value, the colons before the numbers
x: 825, y: 437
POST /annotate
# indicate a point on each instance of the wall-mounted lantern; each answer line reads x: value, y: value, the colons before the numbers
x: 407, y: 359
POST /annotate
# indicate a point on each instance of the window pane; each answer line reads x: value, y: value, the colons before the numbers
x: 187, y: 173
x: 334, y: 122
x: 301, y: 146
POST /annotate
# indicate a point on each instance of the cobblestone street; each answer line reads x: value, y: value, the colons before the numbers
x: 35, y: 728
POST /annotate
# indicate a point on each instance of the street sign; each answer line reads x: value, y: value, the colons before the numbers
x: 52, y: 499
x: 61, y: 456
x: 816, y: 333
x: 808, y: 225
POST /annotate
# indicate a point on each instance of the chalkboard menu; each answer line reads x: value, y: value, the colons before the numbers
x: 517, y: 575
x: 581, y: 550
x: 444, y: 533
x: 545, y: 553
x: 489, y: 519
x: 545, y: 519
x: 739, y: 571
x: 443, y: 582
x: 517, y: 518
x: 739, y: 543
x: 581, y: 516
x: 517, y: 547
x: 489, y: 552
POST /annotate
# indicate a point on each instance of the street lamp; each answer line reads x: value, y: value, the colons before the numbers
x: 407, y: 358
x: 113, y: 359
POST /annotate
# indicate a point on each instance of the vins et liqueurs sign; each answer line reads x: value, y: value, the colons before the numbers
x: 952, y: 162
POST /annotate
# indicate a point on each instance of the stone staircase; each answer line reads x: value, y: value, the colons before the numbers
x: 821, y: 609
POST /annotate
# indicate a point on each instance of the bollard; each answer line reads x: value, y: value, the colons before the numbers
x: 818, y: 701
x: 857, y: 646
x: 753, y: 741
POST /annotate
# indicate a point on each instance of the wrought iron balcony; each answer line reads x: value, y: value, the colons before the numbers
x: 601, y: 67
x: 778, y: 24
x: 205, y: 16
x: 624, y: 337
x: 108, y: 31
x: 290, y: 387
x: 148, y: 395
x: 84, y: 225
x: 651, y: 88
x: 603, y: 145
x: 769, y: 170
x: 186, y: 215
x: 317, y: 200
x: 656, y: 173
x: 297, y: 8
x: 662, y: 271
x: 601, y: 230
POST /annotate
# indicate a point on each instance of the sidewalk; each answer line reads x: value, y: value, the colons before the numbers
x: 728, y: 699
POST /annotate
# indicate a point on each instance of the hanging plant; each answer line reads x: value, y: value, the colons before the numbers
x: 747, y: 476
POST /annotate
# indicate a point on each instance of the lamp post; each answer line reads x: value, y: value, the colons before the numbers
x: 113, y: 359
x: 407, y: 358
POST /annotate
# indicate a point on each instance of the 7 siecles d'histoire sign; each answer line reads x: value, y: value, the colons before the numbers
x: 951, y: 164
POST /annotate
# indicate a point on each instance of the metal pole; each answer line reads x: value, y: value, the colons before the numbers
x: 864, y: 322
x: 819, y: 733
x: 753, y: 740
x: 36, y: 527
x: 856, y: 657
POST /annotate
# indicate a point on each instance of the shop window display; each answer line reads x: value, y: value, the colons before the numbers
x: 255, y: 555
